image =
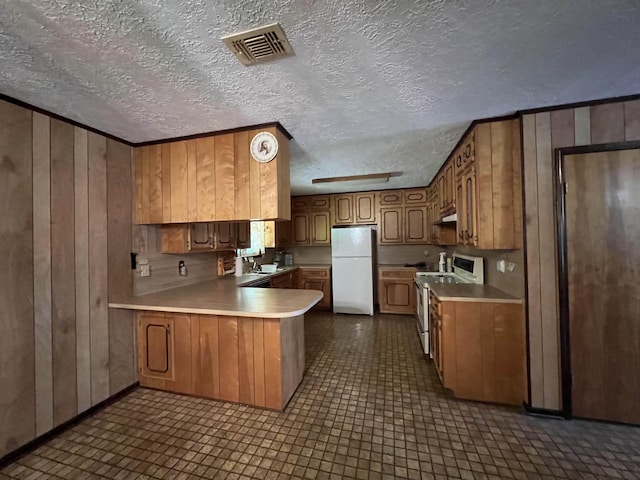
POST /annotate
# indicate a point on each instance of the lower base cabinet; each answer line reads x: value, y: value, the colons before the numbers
x: 478, y: 349
x: 317, y: 279
x: 396, y: 291
x: 255, y: 361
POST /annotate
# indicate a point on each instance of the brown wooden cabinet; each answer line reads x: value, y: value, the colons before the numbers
x: 391, y: 230
x: 190, y: 180
x: 365, y: 207
x: 300, y: 229
x: 321, y: 228
x: 255, y: 361
x: 415, y: 221
x: 478, y: 349
x: 403, y: 218
x: 489, y: 186
x: 396, y: 291
x: 390, y: 197
x: 164, y: 351
x: 205, y: 237
x: 285, y: 280
x: 343, y: 209
x: 317, y: 279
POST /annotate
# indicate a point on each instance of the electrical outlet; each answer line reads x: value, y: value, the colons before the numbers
x: 145, y: 271
x: 511, y: 266
x: 501, y: 266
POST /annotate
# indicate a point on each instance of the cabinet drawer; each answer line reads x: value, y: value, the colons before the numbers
x: 398, y: 273
x: 416, y: 196
x: 314, y: 273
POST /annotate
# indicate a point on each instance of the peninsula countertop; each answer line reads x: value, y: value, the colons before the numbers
x: 223, y: 297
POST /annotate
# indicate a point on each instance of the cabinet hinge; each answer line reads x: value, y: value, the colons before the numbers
x: 564, y: 188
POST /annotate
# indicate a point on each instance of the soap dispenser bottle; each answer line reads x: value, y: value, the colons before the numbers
x: 442, y: 264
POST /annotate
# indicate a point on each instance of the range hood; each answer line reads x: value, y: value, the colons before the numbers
x: 448, y: 219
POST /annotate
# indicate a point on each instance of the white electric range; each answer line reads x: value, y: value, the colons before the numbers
x: 466, y: 269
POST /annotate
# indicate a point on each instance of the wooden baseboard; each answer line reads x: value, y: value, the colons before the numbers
x: 38, y: 441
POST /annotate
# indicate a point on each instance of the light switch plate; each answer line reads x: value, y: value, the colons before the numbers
x: 501, y: 266
x: 145, y: 271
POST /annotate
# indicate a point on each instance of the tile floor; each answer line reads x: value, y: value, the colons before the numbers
x: 369, y: 407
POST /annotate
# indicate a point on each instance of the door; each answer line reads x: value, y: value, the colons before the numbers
x: 200, y: 237
x: 321, y: 228
x: 352, y: 285
x: 603, y: 290
x: 225, y: 236
x: 415, y: 219
x: 391, y: 226
x: 351, y: 242
x: 156, y: 346
x: 299, y: 229
x: 343, y: 209
x: 365, y: 207
x: 243, y: 235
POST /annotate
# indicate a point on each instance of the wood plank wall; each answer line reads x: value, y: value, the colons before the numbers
x: 65, y: 198
x: 542, y: 134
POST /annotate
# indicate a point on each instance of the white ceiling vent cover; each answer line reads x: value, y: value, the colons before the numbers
x: 259, y: 45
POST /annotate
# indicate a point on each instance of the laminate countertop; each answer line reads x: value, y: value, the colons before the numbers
x: 471, y: 292
x: 223, y: 297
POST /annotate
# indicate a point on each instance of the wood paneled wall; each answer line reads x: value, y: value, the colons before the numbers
x: 542, y: 134
x: 65, y: 197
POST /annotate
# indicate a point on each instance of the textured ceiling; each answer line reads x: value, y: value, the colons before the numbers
x: 375, y: 86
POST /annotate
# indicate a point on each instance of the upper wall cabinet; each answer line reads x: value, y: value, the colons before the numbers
x: 211, y: 179
x: 489, y: 187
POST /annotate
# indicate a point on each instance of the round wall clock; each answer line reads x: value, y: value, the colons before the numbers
x: 264, y: 147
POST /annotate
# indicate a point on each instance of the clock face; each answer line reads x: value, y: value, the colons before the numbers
x: 264, y: 147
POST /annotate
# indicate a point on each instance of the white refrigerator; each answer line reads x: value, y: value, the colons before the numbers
x: 352, y: 257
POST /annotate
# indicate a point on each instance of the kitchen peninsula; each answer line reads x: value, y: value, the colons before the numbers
x: 216, y: 340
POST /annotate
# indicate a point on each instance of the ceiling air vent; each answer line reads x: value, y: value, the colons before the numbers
x: 259, y: 45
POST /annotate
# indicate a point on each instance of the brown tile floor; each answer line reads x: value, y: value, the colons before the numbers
x: 370, y: 406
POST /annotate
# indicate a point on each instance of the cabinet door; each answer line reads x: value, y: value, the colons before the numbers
x: 391, y: 197
x: 471, y: 208
x: 283, y: 234
x: 415, y: 219
x: 321, y: 202
x: 365, y: 207
x: 461, y: 210
x: 415, y: 196
x: 299, y: 203
x: 225, y: 236
x: 300, y: 229
x: 321, y: 228
x: 343, y: 209
x: 243, y: 234
x: 397, y: 296
x: 156, y: 346
x: 318, y: 284
x: 201, y: 237
x: 391, y: 226
x: 449, y: 190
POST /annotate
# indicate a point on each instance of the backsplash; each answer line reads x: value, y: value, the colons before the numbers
x: 401, y: 254
x: 310, y: 255
x: 509, y: 282
x: 147, y: 244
